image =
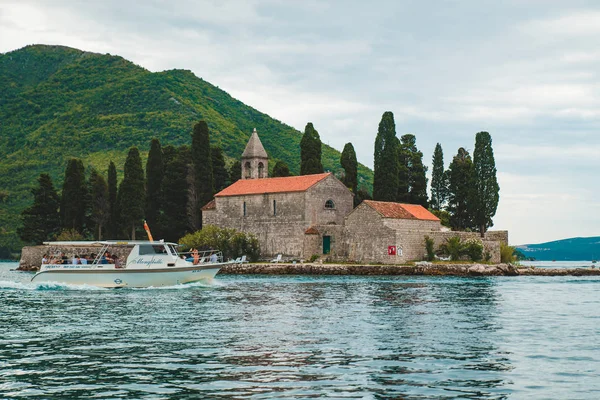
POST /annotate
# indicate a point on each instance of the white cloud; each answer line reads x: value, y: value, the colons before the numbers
x: 526, y: 73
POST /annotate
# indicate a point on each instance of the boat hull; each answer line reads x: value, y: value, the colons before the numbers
x: 128, y: 278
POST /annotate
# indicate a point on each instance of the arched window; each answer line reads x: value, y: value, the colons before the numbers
x: 248, y: 170
x: 329, y: 204
x: 244, y: 209
x: 261, y: 169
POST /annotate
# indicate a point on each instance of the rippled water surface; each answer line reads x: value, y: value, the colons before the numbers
x: 303, y: 337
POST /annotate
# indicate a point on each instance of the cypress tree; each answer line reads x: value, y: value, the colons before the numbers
x: 487, y: 190
x: 310, y: 151
x: 439, y: 180
x: 460, y: 190
x: 174, y: 219
x: 113, y: 211
x: 203, y: 170
x: 131, y: 196
x: 154, y: 180
x: 235, y: 171
x: 281, y: 169
x: 74, y: 196
x: 220, y: 173
x: 350, y: 165
x: 404, y: 162
x: 41, y: 221
x: 417, y: 179
x: 385, y: 180
x: 99, y: 200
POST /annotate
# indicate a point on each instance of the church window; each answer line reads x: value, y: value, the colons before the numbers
x: 329, y: 204
x: 248, y: 171
x: 261, y: 169
x: 274, y: 207
x: 244, y: 209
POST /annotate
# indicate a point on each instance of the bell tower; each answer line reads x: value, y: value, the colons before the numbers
x: 255, y: 161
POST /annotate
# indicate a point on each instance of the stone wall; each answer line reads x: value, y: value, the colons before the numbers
x: 280, y: 220
x: 367, y: 237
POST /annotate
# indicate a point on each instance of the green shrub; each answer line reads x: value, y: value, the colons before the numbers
x: 473, y: 248
x: 69, y: 235
x: 429, y: 248
x: 313, y: 258
x: 507, y: 253
x: 230, y: 242
x: 453, y: 247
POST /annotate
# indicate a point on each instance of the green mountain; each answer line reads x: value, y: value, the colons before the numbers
x: 57, y: 102
x: 572, y: 249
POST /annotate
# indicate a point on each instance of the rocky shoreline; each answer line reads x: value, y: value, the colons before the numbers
x: 419, y: 269
x: 425, y: 269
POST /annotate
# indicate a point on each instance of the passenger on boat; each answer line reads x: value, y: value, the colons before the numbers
x: 116, y: 261
x: 63, y: 258
x: 195, y: 256
x: 106, y: 258
x: 213, y: 258
x: 83, y: 259
x: 76, y: 259
x: 45, y: 259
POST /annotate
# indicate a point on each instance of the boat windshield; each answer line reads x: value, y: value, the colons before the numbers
x: 152, y: 249
x: 173, y: 250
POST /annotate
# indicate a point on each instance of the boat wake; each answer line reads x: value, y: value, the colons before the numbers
x: 51, y: 286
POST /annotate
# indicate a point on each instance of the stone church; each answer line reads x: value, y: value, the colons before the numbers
x: 302, y: 216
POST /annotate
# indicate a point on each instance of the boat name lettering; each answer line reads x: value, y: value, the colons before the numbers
x: 148, y: 262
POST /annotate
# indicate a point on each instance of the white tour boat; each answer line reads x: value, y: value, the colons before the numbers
x: 149, y: 264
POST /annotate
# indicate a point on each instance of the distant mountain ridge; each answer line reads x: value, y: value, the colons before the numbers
x: 572, y: 249
x: 58, y: 102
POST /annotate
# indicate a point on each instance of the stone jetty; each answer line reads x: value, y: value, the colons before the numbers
x: 420, y: 268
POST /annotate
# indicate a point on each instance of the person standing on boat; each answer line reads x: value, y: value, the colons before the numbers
x: 195, y: 256
x: 45, y: 259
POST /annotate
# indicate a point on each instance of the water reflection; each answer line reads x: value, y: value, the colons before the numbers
x: 271, y: 337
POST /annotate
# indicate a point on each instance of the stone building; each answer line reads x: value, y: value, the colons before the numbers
x: 307, y: 215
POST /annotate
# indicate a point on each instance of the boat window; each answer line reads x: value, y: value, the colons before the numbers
x: 152, y: 249
x: 173, y: 250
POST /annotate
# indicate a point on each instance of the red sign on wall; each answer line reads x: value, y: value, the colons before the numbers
x: 391, y: 250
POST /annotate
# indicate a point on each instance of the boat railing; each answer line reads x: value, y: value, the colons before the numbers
x: 203, y: 256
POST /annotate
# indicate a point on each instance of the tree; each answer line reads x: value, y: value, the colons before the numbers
x: 73, y: 202
x: 203, y: 170
x: 112, y: 228
x: 131, y: 197
x: 417, y: 180
x: 350, y: 165
x: 460, y: 190
x: 385, y: 179
x: 439, y: 180
x: 41, y: 220
x: 100, y: 206
x: 155, y: 170
x: 174, y: 220
x: 487, y: 190
x: 281, y: 169
x: 310, y: 151
x: 235, y: 171
x: 220, y: 173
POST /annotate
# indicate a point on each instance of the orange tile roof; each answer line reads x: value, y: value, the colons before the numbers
x: 401, y: 211
x: 311, y: 231
x: 272, y: 185
x: 211, y: 205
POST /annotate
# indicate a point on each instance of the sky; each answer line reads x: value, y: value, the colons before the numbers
x: 525, y: 71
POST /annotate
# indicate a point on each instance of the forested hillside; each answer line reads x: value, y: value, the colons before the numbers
x: 572, y: 249
x: 57, y: 103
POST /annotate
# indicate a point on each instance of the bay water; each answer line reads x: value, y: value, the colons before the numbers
x: 277, y: 337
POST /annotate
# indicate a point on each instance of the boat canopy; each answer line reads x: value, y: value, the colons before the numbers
x: 117, y: 243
